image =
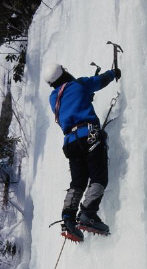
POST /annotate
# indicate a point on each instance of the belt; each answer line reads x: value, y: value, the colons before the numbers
x: 74, y: 128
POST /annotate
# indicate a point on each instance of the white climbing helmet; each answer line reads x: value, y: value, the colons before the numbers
x: 52, y: 72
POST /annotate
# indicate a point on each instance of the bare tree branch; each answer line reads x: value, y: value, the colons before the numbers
x: 16, y: 206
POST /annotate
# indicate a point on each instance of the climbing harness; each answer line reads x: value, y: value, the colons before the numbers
x: 93, y: 133
x: 93, y: 136
x: 57, y: 106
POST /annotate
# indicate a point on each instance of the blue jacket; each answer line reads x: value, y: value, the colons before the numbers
x: 76, y: 103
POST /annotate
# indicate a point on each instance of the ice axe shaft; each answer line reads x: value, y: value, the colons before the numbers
x: 117, y: 48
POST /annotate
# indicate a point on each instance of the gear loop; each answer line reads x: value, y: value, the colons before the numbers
x: 93, y: 133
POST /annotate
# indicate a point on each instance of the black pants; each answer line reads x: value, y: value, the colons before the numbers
x: 85, y: 164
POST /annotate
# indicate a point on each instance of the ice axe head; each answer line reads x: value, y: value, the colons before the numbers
x: 93, y: 64
x: 116, y: 46
x: 98, y: 69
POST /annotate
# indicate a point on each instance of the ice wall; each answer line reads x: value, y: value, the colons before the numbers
x: 74, y: 34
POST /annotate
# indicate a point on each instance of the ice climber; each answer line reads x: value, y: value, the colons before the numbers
x: 84, y: 145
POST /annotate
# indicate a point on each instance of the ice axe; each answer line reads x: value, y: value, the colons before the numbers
x: 98, y: 68
x: 117, y: 48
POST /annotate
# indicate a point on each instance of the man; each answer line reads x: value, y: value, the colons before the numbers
x: 84, y: 146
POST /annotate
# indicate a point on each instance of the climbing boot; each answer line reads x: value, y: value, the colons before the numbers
x: 70, y: 208
x: 70, y: 230
x: 92, y: 223
x: 87, y: 218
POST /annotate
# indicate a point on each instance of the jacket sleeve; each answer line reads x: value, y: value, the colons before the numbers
x: 97, y: 83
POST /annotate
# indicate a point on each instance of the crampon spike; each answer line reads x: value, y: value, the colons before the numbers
x: 71, y: 237
x: 92, y: 230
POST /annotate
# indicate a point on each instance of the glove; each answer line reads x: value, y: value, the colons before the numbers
x: 117, y: 73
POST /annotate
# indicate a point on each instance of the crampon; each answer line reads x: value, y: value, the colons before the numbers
x: 75, y: 235
x: 92, y: 230
x: 71, y: 237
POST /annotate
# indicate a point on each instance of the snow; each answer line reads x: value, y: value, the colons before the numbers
x: 74, y: 33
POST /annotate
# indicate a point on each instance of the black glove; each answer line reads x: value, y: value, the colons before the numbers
x: 117, y: 73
